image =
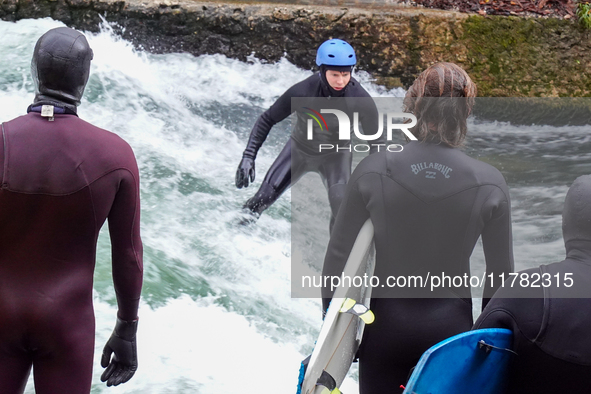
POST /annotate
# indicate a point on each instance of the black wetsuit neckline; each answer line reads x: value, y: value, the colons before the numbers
x: 44, y: 99
x: 56, y: 109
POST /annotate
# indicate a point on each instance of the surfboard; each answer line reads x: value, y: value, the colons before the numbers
x: 343, y: 325
x: 471, y: 362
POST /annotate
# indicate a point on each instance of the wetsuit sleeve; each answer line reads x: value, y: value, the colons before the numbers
x: 126, y: 244
x: 280, y: 110
x: 495, y: 318
x: 499, y: 311
x: 352, y: 215
x: 517, y: 308
x: 497, y: 239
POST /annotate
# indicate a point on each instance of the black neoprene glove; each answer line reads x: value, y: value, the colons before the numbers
x: 122, y: 343
x: 245, y: 172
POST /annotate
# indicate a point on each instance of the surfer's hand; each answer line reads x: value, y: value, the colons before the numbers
x: 122, y: 345
x: 245, y: 172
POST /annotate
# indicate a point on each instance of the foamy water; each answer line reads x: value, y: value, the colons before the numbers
x: 217, y: 313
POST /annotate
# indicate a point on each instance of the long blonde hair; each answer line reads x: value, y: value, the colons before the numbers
x: 441, y: 98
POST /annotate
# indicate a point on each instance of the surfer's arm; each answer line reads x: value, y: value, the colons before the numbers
x: 120, y: 352
x: 126, y: 244
x: 498, y: 312
x: 280, y: 110
x: 351, y: 216
x: 497, y: 240
x: 519, y: 309
x: 513, y: 306
x: 495, y: 318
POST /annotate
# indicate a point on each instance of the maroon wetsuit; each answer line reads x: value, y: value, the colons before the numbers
x: 59, y: 181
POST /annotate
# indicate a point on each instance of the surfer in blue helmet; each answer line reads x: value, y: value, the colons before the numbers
x: 429, y: 204
x: 336, y: 60
x: 549, y: 310
x: 61, y: 179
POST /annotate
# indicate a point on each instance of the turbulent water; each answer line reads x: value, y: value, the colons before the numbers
x: 217, y: 313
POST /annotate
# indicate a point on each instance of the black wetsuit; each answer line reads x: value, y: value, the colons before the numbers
x: 551, y: 329
x: 429, y: 204
x: 60, y: 180
x: 300, y: 155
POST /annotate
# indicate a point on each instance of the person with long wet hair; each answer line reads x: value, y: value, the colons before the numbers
x: 548, y: 309
x: 429, y: 204
x: 61, y: 178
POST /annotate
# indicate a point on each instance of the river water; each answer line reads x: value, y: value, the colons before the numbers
x: 217, y: 314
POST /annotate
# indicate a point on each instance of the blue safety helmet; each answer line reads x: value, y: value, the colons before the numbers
x: 336, y: 52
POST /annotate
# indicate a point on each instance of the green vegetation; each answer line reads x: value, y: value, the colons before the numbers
x: 584, y: 15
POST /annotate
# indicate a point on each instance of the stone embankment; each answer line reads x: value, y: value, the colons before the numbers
x: 506, y: 56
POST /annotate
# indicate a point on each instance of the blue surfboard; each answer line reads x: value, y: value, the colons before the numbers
x: 468, y: 363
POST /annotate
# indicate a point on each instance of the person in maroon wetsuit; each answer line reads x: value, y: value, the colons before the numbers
x: 60, y: 178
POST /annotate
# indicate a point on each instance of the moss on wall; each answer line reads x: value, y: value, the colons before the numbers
x: 528, y: 57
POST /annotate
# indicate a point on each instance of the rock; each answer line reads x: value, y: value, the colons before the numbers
x: 283, y: 14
